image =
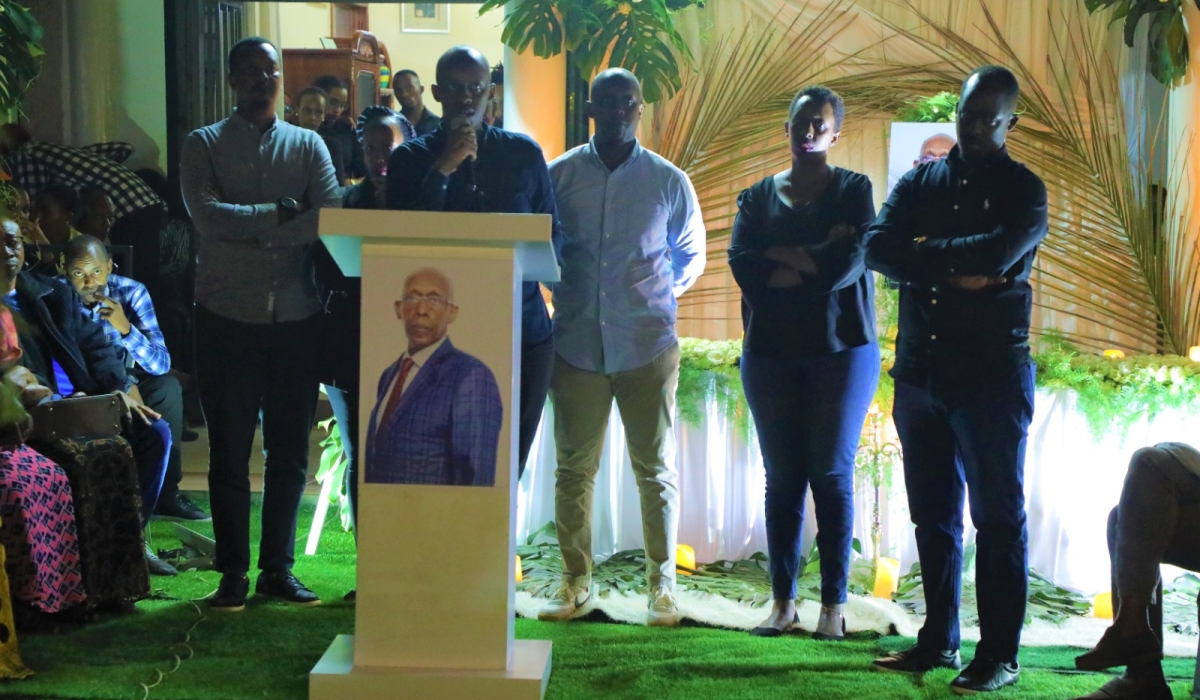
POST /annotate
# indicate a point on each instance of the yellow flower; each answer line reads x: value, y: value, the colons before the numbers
x: 624, y: 8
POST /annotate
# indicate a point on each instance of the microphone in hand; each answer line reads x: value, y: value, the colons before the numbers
x: 468, y: 165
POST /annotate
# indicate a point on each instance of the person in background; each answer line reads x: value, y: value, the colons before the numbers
x: 175, y: 298
x: 98, y: 213
x: 124, y: 309
x: 338, y: 131
x: 71, y: 355
x: 495, y: 109
x: 507, y: 174
x: 254, y: 185
x: 37, y: 515
x: 139, y: 211
x: 57, y: 210
x: 381, y: 131
x: 810, y: 361
x: 311, y: 108
x: 410, y: 93
x: 25, y: 216
x: 935, y: 148
x: 1157, y: 522
x: 960, y: 235
x: 633, y: 242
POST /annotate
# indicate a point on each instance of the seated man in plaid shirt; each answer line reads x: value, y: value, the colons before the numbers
x: 123, y: 308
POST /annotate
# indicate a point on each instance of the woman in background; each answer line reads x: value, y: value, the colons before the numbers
x: 338, y: 131
x: 381, y: 130
x: 37, y: 514
x: 810, y: 362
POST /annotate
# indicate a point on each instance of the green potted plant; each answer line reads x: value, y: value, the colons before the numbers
x: 20, y: 55
x: 638, y: 35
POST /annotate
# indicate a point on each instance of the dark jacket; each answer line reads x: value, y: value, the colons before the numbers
x: 51, y: 309
x: 511, y: 178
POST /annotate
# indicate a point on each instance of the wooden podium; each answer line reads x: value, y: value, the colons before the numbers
x: 435, y: 616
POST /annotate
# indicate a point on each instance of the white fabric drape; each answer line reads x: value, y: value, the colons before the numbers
x: 1072, y: 480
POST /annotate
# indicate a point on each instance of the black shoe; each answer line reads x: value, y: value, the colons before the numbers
x: 984, y: 675
x: 230, y: 595
x: 917, y: 660
x: 158, y: 567
x: 180, y: 508
x: 351, y: 597
x: 284, y: 585
x: 190, y: 435
x: 774, y: 631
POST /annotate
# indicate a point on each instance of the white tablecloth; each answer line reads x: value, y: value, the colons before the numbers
x: 1072, y: 481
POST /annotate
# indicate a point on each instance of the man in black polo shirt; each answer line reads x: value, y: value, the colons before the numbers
x: 960, y: 236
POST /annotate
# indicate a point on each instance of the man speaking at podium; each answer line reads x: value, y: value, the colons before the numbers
x: 438, y: 411
x: 468, y: 166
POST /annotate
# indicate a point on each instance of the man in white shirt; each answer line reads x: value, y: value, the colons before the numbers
x: 633, y: 243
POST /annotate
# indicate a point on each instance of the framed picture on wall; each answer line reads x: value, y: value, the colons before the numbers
x: 425, y: 17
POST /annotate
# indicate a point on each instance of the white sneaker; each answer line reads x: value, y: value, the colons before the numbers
x: 664, y: 612
x: 567, y: 602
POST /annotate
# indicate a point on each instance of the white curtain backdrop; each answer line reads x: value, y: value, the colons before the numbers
x: 1072, y: 480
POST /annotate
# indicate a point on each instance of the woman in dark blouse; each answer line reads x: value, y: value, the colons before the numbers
x: 380, y: 130
x: 810, y: 363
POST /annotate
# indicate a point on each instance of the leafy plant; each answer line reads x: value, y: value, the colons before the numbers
x: 1046, y: 601
x: 333, y: 466
x: 20, y: 53
x: 745, y: 581
x: 708, y: 373
x: 1168, y: 35
x: 942, y: 107
x: 1113, y: 393
x: 638, y: 35
x: 1179, y: 604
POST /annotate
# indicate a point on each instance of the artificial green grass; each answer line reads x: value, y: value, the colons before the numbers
x: 267, y: 651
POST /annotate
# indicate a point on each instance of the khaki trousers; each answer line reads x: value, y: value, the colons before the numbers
x: 646, y: 400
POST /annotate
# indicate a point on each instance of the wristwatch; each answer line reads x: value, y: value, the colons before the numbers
x: 287, y: 209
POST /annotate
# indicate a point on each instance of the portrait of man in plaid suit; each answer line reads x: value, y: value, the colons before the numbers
x: 437, y: 411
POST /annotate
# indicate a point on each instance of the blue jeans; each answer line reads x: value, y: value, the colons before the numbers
x: 809, y: 415
x: 977, y: 443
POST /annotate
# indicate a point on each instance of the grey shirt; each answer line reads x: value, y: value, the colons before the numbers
x: 251, y: 268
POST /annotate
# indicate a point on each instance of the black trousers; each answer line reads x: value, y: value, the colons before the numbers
x: 164, y: 395
x: 244, y: 371
x: 971, y: 450
x: 537, y: 361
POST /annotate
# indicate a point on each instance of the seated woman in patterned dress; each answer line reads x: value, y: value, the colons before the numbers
x: 37, y: 515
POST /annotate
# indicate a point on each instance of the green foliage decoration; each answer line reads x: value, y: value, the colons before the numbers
x: 1046, y: 601
x: 638, y: 35
x: 744, y: 581
x: 1168, y: 35
x: 1113, y: 393
x: 708, y: 372
x: 333, y: 466
x: 20, y: 54
x: 1179, y: 604
x: 942, y: 107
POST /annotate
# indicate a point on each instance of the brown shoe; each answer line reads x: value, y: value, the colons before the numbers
x: 1116, y: 650
x: 1125, y: 688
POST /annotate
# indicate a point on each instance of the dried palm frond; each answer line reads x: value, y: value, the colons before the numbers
x: 725, y: 126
